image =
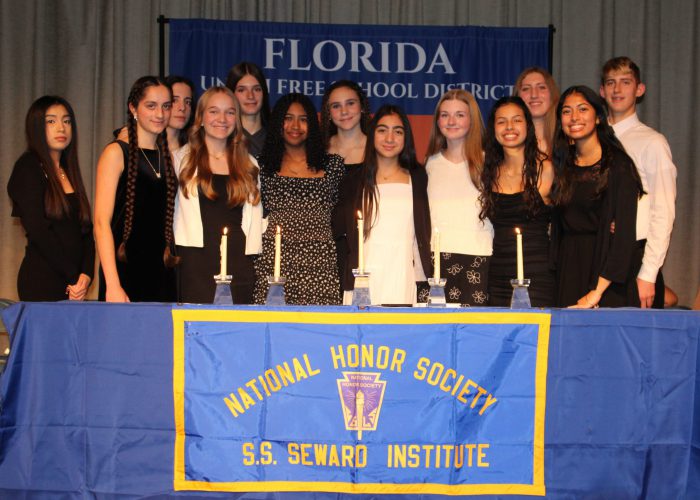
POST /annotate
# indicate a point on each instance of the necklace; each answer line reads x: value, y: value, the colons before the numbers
x: 61, y: 173
x: 157, y: 172
x: 300, y: 163
x: 389, y: 175
x: 218, y: 156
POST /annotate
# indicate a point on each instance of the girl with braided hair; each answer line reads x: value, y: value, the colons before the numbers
x: 218, y: 189
x: 516, y: 183
x: 135, y: 201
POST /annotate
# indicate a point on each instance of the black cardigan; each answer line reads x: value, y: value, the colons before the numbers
x: 345, y: 223
x: 616, y: 255
x: 46, y: 237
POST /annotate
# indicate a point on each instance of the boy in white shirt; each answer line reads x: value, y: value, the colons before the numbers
x: 622, y: 87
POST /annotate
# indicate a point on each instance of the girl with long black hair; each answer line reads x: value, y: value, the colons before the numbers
x: 596, y: 197
x: 49, y: 197
x: 299, y: 185
x: 517, y: 181
x: 390, y: 191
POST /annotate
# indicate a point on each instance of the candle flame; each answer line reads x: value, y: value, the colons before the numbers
x: 225, y: 230
x: 279, y: 230
x: 517, y: 230
x: 359, y: 215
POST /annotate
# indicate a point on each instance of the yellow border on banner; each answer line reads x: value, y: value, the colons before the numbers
x: 542, y: 319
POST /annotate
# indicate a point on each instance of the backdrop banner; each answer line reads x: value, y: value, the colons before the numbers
x: 409, y: 65
x: 380, y: 403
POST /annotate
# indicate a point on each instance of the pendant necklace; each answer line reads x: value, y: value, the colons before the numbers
x: 157, y: 172
x: 390, y: 174
x: 61, y: 173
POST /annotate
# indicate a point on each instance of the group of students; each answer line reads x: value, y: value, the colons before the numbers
x: 552, y: 166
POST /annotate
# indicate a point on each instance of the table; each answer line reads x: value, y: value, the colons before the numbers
x: 87, y: 403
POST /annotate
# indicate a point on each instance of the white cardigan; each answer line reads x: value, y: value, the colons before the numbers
x: 187, y: 222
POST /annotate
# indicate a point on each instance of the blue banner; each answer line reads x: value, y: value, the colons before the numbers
x: 382, y: 403
x: 409, y: 65
x: 87, y: 401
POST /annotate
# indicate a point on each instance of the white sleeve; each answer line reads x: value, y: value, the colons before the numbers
x: 661, y: 180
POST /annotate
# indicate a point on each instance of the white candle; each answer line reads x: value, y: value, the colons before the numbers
x: 519, y: 247
x: 223, y: 250
x: 360, y: 242
x: 278, y: 252
x: 436, y: 254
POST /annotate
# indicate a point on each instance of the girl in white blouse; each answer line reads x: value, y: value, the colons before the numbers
x: 454, y: 163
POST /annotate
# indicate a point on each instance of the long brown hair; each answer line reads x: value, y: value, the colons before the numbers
x: 471, y: 148
x: 550, y: 119
x: 136, y: 95
x: 55, y: 201
x: 242, y: 182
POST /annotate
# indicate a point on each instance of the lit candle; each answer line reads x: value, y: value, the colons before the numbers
x: 360, y: 242
x: 223, y: 249
x: 278, y: 252
x: 519, y: 247
x: 436, y: 254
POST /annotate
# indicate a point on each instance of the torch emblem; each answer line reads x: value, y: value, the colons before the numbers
x: 361, y: 396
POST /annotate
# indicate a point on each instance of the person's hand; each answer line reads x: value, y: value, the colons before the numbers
x: 647, y: 292
x: 588, y: 301
x: 116, y: 294
x: 78, y: 290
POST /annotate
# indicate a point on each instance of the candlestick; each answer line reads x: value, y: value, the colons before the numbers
x: 360, y: 242
x: 278, y: 252
x: 436, y: 254
x: 223, y: 249
x: 519, y: 247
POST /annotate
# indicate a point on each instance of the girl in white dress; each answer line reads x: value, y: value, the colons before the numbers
x: 389, y: 190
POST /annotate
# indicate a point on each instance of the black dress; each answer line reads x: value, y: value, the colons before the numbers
x: 510, y: 211
x: 143, y: 276
x: 587, y: 248
x: 198, y: 266
x: 302, y: 208
x: 58, y: 250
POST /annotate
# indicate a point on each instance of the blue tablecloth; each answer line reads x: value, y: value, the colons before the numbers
x: 87, y: 403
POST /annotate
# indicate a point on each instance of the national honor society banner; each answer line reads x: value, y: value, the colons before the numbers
x: 409, y: 65
x: 376, y: 402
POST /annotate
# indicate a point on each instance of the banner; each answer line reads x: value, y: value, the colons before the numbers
x: 450, y: 403
x: 407, y: 65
